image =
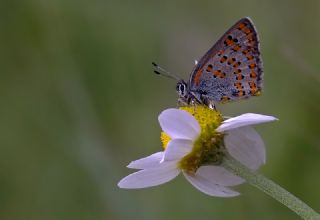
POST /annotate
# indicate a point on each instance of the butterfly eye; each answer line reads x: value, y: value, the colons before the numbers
x: 181, y: 88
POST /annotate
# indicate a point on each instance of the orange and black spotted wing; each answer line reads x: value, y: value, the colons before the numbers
x: 232, y: 68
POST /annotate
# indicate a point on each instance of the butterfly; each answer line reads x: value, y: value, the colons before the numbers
x: 231, y: 69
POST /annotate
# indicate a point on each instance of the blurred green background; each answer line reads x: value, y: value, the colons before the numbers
x: 79, y: 101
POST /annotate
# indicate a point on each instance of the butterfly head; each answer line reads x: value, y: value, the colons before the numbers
x: 182, y: 90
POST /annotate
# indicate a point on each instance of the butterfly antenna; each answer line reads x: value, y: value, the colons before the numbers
x: 162, y: 72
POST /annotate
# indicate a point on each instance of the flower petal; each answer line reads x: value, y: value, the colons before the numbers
x: 219, y: 175
x: 210, y: 188
x: 244, y: 120
x: 179, y: 124
x: 176, y: 149
x: 246, y: 145
x: 147, y: 162
x: 150, y: 177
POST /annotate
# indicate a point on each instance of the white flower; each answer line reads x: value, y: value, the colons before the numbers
x: 241, y: 141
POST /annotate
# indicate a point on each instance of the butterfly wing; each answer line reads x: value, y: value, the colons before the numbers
x: 232, y: 68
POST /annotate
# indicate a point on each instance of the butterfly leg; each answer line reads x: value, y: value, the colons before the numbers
x: 181, y: 103
x: 212, y: 106
x: 193, y: 102
x: 208, y: 102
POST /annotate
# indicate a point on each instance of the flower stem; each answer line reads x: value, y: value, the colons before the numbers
x: 269, y: 187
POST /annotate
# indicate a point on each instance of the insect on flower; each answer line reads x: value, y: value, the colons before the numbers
x: 229, y: 71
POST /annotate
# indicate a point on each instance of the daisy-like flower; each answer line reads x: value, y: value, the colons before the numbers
x: 196, y: 140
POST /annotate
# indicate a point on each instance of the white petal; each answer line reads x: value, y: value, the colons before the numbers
x: 210, y: 188
x: 150, y: 177
x: 219, y: 175
x: 244, y: 120
x: 179, y: 124
x: 246, y: 145
x: 147, y: 162
x: 176, y: 149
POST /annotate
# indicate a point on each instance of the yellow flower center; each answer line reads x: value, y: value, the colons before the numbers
x: 207, y: 148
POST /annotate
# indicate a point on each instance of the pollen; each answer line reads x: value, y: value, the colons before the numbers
x: 164, y: 139
x: 208, y: 147
x: 205, y: 116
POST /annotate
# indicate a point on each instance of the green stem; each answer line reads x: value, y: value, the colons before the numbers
x: 272, y: 189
